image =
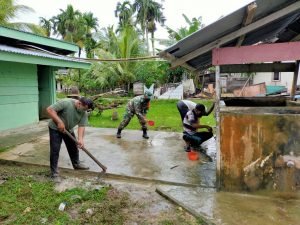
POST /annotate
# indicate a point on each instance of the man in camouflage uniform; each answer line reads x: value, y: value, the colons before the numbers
x: 137, y: 106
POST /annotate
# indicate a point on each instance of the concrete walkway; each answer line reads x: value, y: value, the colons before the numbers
x: 236, y: 208
x: 161, y: 157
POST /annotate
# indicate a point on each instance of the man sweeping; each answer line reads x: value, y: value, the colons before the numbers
x: 138, y: 106
x: 65, y: 115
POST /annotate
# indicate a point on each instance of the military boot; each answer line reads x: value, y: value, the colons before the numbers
x: 145, y: 135
x: 119, y: 133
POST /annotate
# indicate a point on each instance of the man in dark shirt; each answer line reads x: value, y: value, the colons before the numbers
x: 65, y: 115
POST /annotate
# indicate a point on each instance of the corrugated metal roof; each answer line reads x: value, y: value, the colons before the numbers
x: 5, y: 48
x: 280, y: 30
x: 11, y: 36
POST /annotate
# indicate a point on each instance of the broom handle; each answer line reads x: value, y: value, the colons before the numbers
x: 104, y: 168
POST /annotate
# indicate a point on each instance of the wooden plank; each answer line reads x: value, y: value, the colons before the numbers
x: 218, y: 97
x: 229, y: 37
x: 18, y: 91
x: 184, y: 206
x: 295, y: 79
x: 17, y: 115
x: 17, y: 82
x: 247, y: 20
x: 264, y: 67
x: 278, y: 52
x: 172, y: 58
x: 8, y: 99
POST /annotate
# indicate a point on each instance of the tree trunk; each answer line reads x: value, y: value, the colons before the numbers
x: 152, y: 41
x: 147, y: 41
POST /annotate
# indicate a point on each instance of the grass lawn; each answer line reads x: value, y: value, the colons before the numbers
x: 29, y: 197
x: 163, y: 112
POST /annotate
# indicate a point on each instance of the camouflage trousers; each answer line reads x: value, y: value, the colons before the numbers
x: 128, y: 116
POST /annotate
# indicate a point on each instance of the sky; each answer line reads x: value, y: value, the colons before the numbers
x: 209, y: 10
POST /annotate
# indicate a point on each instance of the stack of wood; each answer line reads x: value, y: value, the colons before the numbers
x: 112, y: 105
x: 117, y: 92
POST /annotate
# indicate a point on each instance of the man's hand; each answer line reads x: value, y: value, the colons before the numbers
x: 80, y: 143
x: 209, y: 129
x: 61, y: 127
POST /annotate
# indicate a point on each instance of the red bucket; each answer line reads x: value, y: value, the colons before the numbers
x: 193, y: 155
x: 151, y: 123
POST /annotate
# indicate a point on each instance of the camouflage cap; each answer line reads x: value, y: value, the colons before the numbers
x: 148, y: 94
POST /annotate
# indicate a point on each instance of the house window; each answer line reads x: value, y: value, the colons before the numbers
x: 276, y: 76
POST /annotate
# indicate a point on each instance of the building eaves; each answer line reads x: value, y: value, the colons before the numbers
x: 10, y: 36
x: 44, y: 58
x: 278, y: 30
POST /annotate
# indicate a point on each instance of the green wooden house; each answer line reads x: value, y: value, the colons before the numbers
x: 27, y: 75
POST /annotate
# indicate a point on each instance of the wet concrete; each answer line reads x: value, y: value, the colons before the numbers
x: 161, y: 157
x: 235, y: 208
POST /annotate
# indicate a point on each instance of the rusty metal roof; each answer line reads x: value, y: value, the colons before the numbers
x: 283, y: 29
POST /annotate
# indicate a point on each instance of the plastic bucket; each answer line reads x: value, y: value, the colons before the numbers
x: 193, y: 155
x: 151, y: 123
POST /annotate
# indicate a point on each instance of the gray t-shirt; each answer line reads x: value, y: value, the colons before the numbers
x: 68, y: 113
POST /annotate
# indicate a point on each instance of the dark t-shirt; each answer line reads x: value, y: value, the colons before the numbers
x: 68, y: 113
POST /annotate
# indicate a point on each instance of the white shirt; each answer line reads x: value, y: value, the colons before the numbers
x: 191, y: 105
x: 188, y: 121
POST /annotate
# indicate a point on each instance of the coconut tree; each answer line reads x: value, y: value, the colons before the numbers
x: 141, y: 9
x: 124, y: 11
x: 46, y: 25
x: 10, y: 11
x: 91, y: 26
x: 147, y: 13
x: 154, y: 15
x: 194, y: 25
x: 124, y: 44
x: 67, y: 22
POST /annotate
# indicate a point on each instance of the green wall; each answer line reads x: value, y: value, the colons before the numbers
x: 47, y: 94
x: 19, y: 95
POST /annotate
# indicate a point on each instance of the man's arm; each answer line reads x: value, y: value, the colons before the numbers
x: 199, y: 126
x: 210, y: 110
x: 80, y: 136
x: 53, y: 115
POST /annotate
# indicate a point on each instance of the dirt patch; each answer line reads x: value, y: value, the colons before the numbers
x: 89, y: 200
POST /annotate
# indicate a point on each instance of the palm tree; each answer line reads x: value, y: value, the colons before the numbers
x: 124, y: 11
x: 155, y: 14
x: 67, y: 23
x: 90, y: 24
x: 9, y: 11
x: 193, y: 25
x: 124, y: 44
x: 148, y: 12
x: 141, y: 8
x: 46, y: 25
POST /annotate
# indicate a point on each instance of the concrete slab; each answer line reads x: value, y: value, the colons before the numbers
x: 22, y: 135
x: 233, y: 208
x: 161, y: 157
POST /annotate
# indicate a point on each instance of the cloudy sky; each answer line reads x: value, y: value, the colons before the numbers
x: 210, y: 10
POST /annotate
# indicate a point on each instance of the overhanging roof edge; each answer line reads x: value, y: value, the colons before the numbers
x: 38, y: 60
